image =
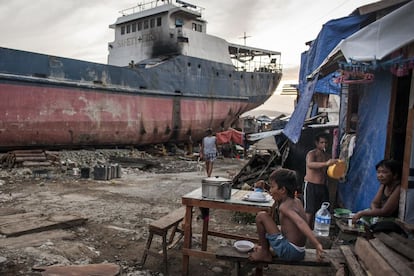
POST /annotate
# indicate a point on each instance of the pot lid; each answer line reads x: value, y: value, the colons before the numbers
x: 216, y: 179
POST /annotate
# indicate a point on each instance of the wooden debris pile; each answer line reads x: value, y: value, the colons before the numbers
x: 28, y: 158
x: 386, y: 254
x: 259, y: 167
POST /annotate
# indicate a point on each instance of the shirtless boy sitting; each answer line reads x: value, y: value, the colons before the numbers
x: 289, y: 242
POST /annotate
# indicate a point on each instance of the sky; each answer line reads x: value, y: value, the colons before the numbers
x: 79, y: 29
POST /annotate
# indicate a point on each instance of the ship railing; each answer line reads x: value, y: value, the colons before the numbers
x: 146, y: 5
x: 257, y: 66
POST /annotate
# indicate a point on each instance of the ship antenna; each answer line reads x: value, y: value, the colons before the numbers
x: 245, y: 37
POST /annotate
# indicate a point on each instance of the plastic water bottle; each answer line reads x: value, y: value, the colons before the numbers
x: 322, y: 221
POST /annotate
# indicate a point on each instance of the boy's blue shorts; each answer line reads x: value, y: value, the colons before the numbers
x: 284, y: 249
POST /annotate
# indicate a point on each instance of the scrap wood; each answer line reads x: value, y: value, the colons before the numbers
x: 371, y: 259
x: 352, y: 263
x: 4, y: 211
x: 28, y: 158
x: 397, y: 243
x: 35, y: 239
x: 36, y: 164
x: 398, y: 262
x: 106, y: 269
x: 20, y: 224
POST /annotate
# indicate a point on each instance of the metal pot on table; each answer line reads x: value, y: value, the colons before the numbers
x: 216, y: 187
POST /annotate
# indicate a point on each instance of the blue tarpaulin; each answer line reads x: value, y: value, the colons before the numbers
x: 361, y: 183
x: 292, y: 131
x: 328, y: 38
x: 331, y: 34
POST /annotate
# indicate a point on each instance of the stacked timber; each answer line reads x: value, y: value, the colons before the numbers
x: 259, y: 167
x: 28, y: 158
x: 386, y: 254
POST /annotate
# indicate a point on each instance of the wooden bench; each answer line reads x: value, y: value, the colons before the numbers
x: 229, y: 253
x: 161, y: 227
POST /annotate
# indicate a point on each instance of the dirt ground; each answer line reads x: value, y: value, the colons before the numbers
x: 118, y: 212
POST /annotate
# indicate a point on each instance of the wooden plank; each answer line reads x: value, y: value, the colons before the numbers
x: 407, y: 242
x: 397, y: 245
x: 397, y: 262
x: 372, y: 260
x: 5, y: 220
x: 169, y: 220
x: 408, y: 227
x: 35, y: 239
x: 90, y: 269
x: 10, y: 211
x: 198, y: 253
x: 232, y: 236
x: 38, y: 223
x: 353, y: 264
x: 231, y: 254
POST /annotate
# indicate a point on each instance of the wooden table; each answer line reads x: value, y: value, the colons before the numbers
x: 235, y: 203
x: 347, y: 233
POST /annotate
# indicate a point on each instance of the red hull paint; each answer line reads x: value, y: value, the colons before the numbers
x: 52, y: 116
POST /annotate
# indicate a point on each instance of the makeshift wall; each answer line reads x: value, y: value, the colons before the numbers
x: 361, y: 183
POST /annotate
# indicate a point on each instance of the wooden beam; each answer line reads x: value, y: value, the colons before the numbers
x: 396, y: 245
x: 353, y: 265
x: 26, y: 223
x: 397, y: 262
x: 372, y: 260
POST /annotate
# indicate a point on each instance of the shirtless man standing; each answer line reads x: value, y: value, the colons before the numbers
x: 315, y: 189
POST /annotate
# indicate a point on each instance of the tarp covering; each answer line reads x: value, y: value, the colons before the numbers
x: 293, y: 128
x: 331, y: 34
x: 230, y: 135
x: 328, y: 38
x: 378, y: 39
x: 382, y: 37
x: 361, y: 183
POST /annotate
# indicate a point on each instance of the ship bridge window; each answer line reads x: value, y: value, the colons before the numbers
x: 134, y: 27
x: 146, y: 24
x: 139, y: 25
x: 197, y: 27
x: 128, y: 29
x: 122, y: 30
x: 158, y: 21
x: 179, y: 22
x: 152, y: 22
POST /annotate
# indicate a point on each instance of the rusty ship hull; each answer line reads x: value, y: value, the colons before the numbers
x: 166, y: 80
x: 48, y: 101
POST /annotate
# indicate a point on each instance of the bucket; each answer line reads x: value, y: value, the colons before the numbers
x: 337, y: 171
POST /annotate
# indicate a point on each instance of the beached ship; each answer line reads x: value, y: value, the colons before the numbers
x: 166, y: 80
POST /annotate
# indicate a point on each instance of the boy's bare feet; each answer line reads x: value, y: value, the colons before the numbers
x: 260, y: 254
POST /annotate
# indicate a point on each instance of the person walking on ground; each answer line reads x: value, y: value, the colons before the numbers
x: 288, y: 242
x: 315, y: 190
x: 208, y: 151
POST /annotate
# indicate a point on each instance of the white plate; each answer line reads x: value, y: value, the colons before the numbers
x: 252, y: 199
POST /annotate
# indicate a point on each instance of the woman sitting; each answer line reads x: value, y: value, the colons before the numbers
x: 386, y: 201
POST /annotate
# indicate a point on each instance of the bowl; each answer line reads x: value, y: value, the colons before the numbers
x: 342, y: 212
x: 243, y: 246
